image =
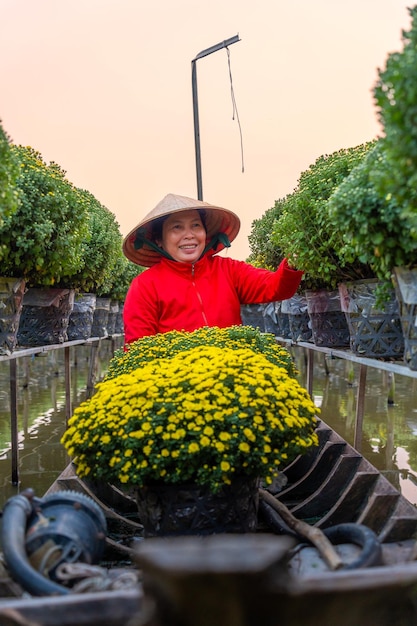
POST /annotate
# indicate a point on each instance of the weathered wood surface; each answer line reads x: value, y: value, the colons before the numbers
x: 250, y: 581
x: 89, y: 609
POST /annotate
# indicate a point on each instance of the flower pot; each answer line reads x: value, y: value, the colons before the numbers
x: 270, y: 318
x: 276, y: 322
x: 172, y: 510
x: 375, y: 331
x: 299, y: 320
x: 101, y: 317
x: 119, y: 328
x: 283, y: 321
x: 328, y: 322
x: 11, y: 302
x: 45, y: 316
x: 111, y: 321
x: 81, y: 318
x: 252, y: 315
x: 405, y: 281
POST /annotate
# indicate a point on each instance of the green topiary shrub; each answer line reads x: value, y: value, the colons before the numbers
x: 305, y: 231
x: 372, y: 224
x: 396, y: 99
x: 42, y: 239
x: 100, y: 247
x: 123, y: 272
x: 9, y: 171
x: 264, y: 252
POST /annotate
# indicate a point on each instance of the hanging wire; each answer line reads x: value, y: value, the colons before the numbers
x: 235, y: 111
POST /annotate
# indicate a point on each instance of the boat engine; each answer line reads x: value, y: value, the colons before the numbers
x: 65, y: 527
x: 39, y: 535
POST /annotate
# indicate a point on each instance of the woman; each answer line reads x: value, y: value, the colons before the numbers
x: 187, y: 286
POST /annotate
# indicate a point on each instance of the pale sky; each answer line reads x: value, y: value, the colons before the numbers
x: 103, y: 88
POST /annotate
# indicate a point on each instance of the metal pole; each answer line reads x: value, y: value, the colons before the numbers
x: 203, y: 53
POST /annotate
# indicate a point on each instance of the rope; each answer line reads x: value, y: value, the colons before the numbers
x: 234, y: 105
x: 96, y: 578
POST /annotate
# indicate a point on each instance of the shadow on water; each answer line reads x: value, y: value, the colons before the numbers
x: 41, y: 415
x: 389, y: 439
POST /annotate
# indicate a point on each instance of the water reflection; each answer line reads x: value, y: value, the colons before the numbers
x: 389, y: 438
x: 41, y: 414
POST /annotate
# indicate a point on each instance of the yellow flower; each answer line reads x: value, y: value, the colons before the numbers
x: 175, y: 404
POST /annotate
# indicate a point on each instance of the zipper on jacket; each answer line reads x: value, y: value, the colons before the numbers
x: 198, y: 296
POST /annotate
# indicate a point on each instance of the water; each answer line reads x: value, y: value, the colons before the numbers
x: 389, y: 432
x: 41, y: 415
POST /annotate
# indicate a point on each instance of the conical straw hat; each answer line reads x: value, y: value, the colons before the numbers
x: 217, y: 220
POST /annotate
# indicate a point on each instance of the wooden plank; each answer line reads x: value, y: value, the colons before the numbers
x: 360, y: 407
x: 13, y: 422
x: 105, y: 608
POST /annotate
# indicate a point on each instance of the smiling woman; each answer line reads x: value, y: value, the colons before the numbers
x: 188, y: 286
x: 183, y: 236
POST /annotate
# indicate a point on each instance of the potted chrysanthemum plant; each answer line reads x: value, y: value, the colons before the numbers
x: 206, y: 420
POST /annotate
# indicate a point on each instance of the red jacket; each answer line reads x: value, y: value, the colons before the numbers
x: 181, y: 296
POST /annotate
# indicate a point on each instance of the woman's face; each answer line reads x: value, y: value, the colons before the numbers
x: 184, y: 236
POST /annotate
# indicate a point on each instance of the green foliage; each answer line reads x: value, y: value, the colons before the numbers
x: 42, y: 240
x: 167, y: 345
x: 372, y: 224
x: 123, y: 272
x: 264, y: 253
x: 100, y: 248
x: 396, y: 98
x: 9, y: 171
x: 304, y: 229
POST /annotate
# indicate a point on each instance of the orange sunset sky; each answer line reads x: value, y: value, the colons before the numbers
x: 103, y: 88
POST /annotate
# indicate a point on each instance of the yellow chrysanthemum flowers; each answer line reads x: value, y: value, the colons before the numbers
x: 203, y: 414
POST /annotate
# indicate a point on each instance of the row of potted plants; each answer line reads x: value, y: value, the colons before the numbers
x: 353, y: 214
x: 316, y: 316
x: 57, y: 242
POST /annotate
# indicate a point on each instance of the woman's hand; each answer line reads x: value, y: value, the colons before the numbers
x: 292, y: 261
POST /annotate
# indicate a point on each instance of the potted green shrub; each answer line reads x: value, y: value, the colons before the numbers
x: 396, y: 180
x: 9, y: 171
x: 304, y: 230
x: 41, y: 241
x: 12, y: 286
x: 100, y: 251
x: 371, y: 225
x: 264, y: 253
x: 42, y: 238
x: 123, y: 273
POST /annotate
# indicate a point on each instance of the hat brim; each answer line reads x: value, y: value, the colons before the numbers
x: 217, y: 220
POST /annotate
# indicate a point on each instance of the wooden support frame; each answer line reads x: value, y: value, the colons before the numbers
x: 93, y: 342
x: 391, y: 367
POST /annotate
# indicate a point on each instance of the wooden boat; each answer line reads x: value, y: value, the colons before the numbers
x: 268, y: 577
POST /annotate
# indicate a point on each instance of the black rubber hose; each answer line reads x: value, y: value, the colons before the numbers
x: 358, y: 534
x: 361, y: 536
x: 15, y: 515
